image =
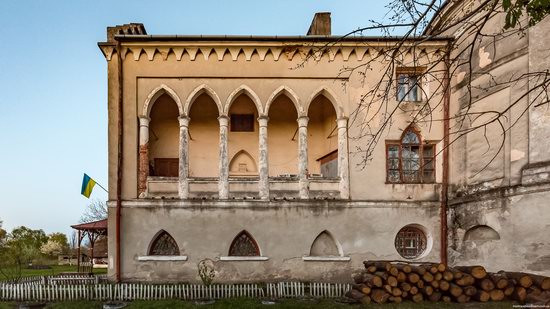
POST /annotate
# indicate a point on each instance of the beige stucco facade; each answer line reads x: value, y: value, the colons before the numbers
x: 178, y: 95
x: 499, y: 209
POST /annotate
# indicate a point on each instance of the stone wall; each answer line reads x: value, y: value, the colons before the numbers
x: 284, y: 231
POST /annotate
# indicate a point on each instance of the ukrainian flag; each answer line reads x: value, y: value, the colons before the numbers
x: 87, y: 186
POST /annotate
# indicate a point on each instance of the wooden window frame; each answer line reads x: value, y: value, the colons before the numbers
x: 158, y: 238
x: 421, y: 247
x: 247, y: 117
x: 254, y: 243
x: 417, y: 72
x: 422, y: 144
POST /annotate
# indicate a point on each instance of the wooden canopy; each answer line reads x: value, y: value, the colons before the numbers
x: 93, y: 230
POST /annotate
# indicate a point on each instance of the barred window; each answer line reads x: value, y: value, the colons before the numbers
x: 410, y: 242
x: 164, y: 244
x: 409, y: 84
x: 409, y: 160
x: 244, y: 245
x: 242, y: 122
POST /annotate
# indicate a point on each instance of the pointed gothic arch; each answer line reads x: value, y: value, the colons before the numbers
x: 155, y: 94
x: 285, y: 90
x: 243, y: 89
x: 203, y: 88
x: 244, y: 245
x: 409, y: 134
x: 163, y: 244
x: 410, y: 159
x: 330, y: 95
x: 325, y: 245
x: 242, y: 164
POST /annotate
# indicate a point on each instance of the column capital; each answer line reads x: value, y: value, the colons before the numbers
x: 144, y: 121
x: 223, y: 120
x: 342, y: 122
x: 303, y: 121
x: 184, y: 121
x: 262, y: 120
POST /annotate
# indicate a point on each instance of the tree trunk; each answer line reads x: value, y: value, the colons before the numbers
x: 520, y: 293
x: 486, y: 284
x: 522, y: 279
x: 379, y: 296
x: 477, y: 271
x: 455, y: 290
x: 470, y: 290
x: 496, y: 295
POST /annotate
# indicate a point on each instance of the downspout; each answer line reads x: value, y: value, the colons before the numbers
x: 119, y: 160
x: 445, y: 181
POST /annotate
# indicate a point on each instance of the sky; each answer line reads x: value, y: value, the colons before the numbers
x: 53, y: 84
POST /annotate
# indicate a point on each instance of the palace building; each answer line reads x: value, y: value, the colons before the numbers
x: 244, y: 150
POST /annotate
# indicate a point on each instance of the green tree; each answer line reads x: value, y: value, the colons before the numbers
x: 60, y: 239
x: 26, y: 243
x: 536, y: 10
x: 51, y: 248
x: 2, y: 232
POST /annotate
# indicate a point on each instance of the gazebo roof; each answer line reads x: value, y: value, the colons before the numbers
x: 91, y: 226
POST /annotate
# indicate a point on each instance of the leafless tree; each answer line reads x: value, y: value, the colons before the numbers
x: 95, y: 211
x: 73, y: 241
x: 412, y: 24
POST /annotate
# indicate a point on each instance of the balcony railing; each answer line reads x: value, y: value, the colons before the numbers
x: 283, y: 188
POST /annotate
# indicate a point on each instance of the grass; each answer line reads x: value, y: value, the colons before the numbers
x: 54, y: 270
x: 247, y: 303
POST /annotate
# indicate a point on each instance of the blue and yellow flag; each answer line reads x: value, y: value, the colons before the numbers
x: 87, y: 186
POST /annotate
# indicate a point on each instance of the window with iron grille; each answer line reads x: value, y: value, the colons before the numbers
x: 242, y: 122
x: 409, y: 84
x: 244, y: 245
x: 410, y: 242
x: 409, y: 160
x: 164, y: 244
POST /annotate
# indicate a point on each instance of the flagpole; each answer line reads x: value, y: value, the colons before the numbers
x: 101, y: 187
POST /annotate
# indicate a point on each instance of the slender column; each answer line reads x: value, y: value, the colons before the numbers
x: 78, y: 253
x: 183, y: 183
x: 143, y: 153
x: 343, y: 165
x: 223, y: 184
x: 303, y: 182
x: 263, y: 158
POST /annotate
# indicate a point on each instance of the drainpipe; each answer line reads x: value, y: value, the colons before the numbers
x: 445, y: 184
x: 119, y: 160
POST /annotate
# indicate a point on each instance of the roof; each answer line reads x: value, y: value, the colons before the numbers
x: 294, y: 38
x: 94, y: 225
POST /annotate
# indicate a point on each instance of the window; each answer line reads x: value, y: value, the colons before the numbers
x: 242, y: 122
x: 409, y: 160
x: 324, y: 245
x: 164, y: 244
x: 409, y: 84
x: 167, y: 167
x: 410, y: 242
x: 244, y: 245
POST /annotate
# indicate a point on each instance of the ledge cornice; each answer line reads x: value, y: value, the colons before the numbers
x: 276, y: 51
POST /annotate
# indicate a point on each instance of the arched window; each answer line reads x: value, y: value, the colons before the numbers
x: 164, y: 244
x: 410, y: 242
x: 244, y: 245
x: 409, y: 160
x: 481, y: 234
x: 324, y: 245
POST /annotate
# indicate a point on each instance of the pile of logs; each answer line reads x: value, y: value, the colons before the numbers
x: 384, y: 281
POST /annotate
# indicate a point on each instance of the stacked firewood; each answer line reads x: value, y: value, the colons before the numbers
x: 395, y: 281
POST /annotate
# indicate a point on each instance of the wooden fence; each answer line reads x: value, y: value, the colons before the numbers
x: 140, y: 291
x: 60, y: 279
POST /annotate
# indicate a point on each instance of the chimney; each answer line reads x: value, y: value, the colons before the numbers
x: 127, y: 29
x: 320, y: 25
